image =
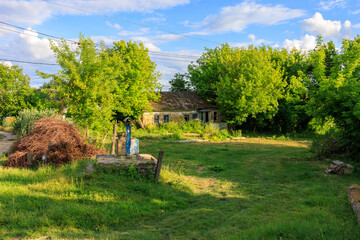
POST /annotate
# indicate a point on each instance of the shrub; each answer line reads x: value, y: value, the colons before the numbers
x: 24, y: 122
x: 9, y: 122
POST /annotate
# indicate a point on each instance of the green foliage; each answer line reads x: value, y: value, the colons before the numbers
x: 180, y: 83
x: 24, y: 123
x: 8, y: 122
x: 335, y: 90
x: 217, y: 168
x: 15, y: 91
x: 242, y: 82
x: 97, y: 84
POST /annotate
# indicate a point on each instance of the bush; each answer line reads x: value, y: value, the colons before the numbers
x: 24, y: 122
x: 9, y: 122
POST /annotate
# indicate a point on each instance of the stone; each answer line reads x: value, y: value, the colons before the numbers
x: 145, y: 164
x: 335, y: 169
x: 337, y: 162
x: 354, y: 196
x: 89, y: 168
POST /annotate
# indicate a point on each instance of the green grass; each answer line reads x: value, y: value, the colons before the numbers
x: 266, y: 189
x: 2, y: 136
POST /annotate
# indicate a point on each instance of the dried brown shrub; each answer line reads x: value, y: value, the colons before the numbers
x: 58, y: 140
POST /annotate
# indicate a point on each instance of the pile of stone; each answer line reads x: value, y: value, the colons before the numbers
x: 337, y: 167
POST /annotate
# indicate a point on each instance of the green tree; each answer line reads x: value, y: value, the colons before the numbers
x: 96, y: 83
x: 243, y: 82
x: 335, y: 89
x: 180, y: 83
x: 136, y: 78
x: 15, y: 90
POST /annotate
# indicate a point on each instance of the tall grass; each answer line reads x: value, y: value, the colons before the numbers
x: 182, y: 130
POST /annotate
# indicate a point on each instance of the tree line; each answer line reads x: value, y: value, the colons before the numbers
x: 275, y: 90
x: 255, y: 88
x: 96, y: 84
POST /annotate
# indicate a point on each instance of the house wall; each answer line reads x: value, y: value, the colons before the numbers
x: 148, y: 117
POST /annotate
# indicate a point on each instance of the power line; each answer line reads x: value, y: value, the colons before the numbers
x: 130, y: 22
x: 28, y: 62
x: 44, y: 34
x: 165, y: 54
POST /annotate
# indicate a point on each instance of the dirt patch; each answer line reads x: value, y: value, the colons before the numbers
x: 6, y: 142
x: 52, y: 141
x: 354, y: 197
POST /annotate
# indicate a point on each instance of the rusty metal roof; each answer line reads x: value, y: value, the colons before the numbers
x: 180, y: 101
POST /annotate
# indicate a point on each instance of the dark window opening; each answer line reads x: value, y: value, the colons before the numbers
x: 186, y: 117
x: 215, y: 116
x: 194, y: 116
x: 166, y: 118
x: 156, y: 119
x: 207, y: 117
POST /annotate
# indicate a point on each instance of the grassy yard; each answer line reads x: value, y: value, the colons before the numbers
x: 252, y: 189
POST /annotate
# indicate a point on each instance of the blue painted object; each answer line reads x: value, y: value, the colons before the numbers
x: 134, y: 149
x: 128, y: 138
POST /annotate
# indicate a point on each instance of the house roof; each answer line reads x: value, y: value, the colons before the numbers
x: 180, y: 101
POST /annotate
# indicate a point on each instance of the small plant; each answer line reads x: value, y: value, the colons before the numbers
x: 217, y: 168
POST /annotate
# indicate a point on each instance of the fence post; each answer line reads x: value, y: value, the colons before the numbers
x: 158, y: 165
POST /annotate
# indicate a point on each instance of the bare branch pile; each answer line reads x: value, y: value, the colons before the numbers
x: 56, y: 140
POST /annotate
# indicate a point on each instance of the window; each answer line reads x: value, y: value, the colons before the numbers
x: 156, y: 119
x: 166, y: 118
x: 186, y: 117
x: 194, y: 116
x: 215, y: 116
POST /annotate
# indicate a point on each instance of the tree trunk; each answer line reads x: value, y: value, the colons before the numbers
x: 114, y: 138
x: 87, y: 132
x: 103, y: 141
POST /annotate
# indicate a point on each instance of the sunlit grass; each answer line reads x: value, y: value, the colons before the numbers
x: 267, y: 189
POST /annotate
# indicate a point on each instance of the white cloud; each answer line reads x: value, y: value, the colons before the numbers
x: 237, y: 18
x: 151, y: 47
x: 306, y: 43
x: 356, y: 25
x: 115, y: 25
x: 253, y: 41
x: 356, y: 12
x: 317, y: 25
x: 29, y: 44
x: 7, y: 63
x: 33, y: 12
x: 29, y: 12
x: 328, y: 5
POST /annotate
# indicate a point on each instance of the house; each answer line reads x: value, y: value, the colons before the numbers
x: 180, y: 106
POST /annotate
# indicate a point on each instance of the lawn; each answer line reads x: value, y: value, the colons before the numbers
x: 251, y: 189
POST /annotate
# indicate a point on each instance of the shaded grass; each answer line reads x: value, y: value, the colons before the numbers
x: 268, y: 189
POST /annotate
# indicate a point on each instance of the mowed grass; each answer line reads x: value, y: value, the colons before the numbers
x: 267, y: 189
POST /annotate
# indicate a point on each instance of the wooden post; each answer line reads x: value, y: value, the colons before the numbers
x: 114, y: 138
x: 158, y: 166
x: 30, y: 158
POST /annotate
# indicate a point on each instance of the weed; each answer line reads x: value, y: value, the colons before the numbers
x: 217, y: 168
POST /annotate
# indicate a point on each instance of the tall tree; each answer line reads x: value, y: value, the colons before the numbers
x: 243, y: 82
x: 180, y: 83
x: 96, y: 83
x: 335, y: 88
x: 15, y: 90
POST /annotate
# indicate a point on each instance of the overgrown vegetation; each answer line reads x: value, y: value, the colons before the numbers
x: 267, y: 190
x: 24, y: 122
x: 184, y: 130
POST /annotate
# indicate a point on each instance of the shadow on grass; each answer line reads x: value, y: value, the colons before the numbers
x: 266, y: 191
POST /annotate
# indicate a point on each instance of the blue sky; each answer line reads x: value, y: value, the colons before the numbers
x: 175, y: 31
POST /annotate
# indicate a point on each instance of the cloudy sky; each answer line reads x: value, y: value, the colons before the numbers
x: 174, y: 31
